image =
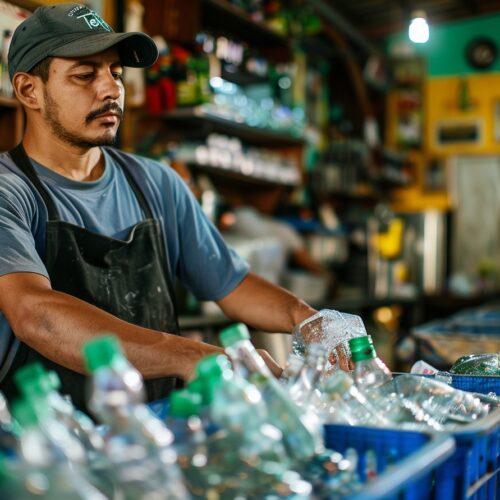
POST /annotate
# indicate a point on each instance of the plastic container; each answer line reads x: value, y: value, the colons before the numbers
x: 472, y: 331
x: 393, y: 464
x: 473, y: 471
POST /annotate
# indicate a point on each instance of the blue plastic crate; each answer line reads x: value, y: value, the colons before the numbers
x: 475, y: 383
x: 406, y: 461
x: 473, y: 471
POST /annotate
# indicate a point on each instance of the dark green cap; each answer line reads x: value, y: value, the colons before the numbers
x: 184, y: 403
x: 362, y: 348
x: 101, y: 351
x: 73, y: 30
x: 234, y: 333
x: 34, y: 380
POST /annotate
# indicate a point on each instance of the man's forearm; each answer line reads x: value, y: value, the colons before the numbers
x: 265, y: 306
x: 57, y: 325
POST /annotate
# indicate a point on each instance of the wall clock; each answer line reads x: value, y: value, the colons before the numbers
x: 481, y: 53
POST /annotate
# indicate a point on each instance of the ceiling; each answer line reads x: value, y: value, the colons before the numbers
x: 376, y: 19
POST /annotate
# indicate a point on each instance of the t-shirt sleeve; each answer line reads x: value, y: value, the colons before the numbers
x: 208, y: 266
x: 18, y: 212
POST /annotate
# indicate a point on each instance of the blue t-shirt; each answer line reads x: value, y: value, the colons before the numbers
x: 197, y: 254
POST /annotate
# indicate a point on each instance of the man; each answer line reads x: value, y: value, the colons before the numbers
x: 93, y: 238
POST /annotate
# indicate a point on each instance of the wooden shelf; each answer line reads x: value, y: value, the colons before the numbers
x: 211, y: 122
x: 250, y: 180
x: 226, y: 18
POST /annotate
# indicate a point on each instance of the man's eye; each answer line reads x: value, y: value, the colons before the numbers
x: 84, y: 76
x: 118, y: 75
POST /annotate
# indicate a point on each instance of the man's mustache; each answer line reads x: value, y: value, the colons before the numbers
x: 112, y: 106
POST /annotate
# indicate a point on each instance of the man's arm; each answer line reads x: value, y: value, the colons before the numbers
x: 265, y: 306
x: 57, y: 325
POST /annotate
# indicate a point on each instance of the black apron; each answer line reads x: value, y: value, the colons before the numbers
x: 129, y: 279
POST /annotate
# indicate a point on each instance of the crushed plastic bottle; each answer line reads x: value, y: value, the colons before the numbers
x: 333, y: 330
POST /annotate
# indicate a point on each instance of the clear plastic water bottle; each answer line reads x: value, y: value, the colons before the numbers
x: 52, y: 457
x: 332, y: 329
x: 138, y: 444
x: 304, y: 389
x: 375, y: 381
x: 247, y: 451
x: 347, y: 404
x: 35, y: 383
x: 190, y: 440
x: 302, y: 432
x: 445, y: 404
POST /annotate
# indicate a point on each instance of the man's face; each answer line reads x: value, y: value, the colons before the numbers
x: 83, y: 99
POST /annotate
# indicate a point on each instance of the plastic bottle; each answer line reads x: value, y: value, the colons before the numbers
x: 375, y: 381
x: 445, y: 404
x: 35, y: 383
x: 52, y: 457
x: 247, y: 452
x: 302, y: 433
x: 304, y: 389
x: 138, y: 444
x: 190, y: 439
x: 332, y: 329
x: 348, y: 404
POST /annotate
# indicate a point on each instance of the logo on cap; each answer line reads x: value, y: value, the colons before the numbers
x: 92, y: 19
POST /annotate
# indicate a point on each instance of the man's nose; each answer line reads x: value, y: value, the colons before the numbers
x: 110, y: 87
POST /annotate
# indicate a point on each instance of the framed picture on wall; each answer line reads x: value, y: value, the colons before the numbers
x: 451, y: 132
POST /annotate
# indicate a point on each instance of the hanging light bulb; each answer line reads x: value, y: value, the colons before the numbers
x: 419, y: 29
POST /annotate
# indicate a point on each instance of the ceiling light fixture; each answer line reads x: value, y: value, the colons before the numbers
x: 419, y: 29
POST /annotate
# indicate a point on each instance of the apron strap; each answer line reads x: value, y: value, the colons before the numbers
x: 133, y: 184
x: 18, y: 154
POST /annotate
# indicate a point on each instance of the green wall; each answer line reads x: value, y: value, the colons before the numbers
x: 445, y: 50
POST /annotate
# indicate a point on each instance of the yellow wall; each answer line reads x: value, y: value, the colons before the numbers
x: 442, y: 105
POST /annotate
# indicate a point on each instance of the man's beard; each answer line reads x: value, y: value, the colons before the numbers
x: 52, y: 117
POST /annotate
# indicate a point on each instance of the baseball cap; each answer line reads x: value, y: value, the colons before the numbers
x: 74, y: 30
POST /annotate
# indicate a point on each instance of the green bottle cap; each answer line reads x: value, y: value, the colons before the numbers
x: 213, y: 365
x: 233, y: 334
x: 34, y: 381
x: 362, y: 348
x: 27, y: 412
x: 184, y: 403
x: 101, y: 351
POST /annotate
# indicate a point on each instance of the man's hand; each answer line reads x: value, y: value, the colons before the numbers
x: 276, y: 369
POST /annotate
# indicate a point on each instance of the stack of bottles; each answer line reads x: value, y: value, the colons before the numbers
x: 234, y: 431
x: 370, y: 395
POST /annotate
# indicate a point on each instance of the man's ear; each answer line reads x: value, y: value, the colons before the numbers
x: 27, y: 89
